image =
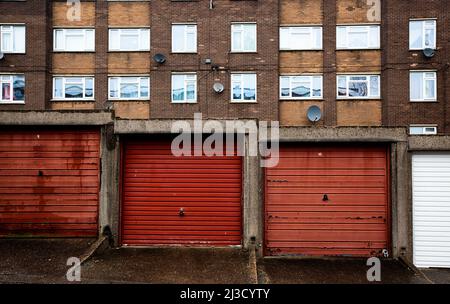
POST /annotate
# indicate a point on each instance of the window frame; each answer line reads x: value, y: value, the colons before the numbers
x: 424, y: 28
x: 64, y: 31
x: 186, y: 81
x: 12, y: 39
x: 11, y: 101
x: 64, y: 78
x: 368, y: 97
x: 232, y: 48
x: 311, y: 82
x: 424, y: 132
x: 119, y: 78
x: 242, y: 100
x: 424, y: 72
x: 185, y: 38
x: 348, y: 27
x: 140, y: 31
x: 312, y: 39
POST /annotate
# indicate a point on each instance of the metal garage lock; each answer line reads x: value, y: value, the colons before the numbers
x: 181, y: 212
x: 325, y: 198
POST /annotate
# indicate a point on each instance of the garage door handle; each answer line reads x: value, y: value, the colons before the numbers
x: 325, y: 198
x: 181, y: 212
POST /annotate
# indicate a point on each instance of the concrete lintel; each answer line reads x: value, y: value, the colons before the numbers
x: 164, y: 126
x: 429, y: 143
x: 66, y: 118
x: 343, y: 134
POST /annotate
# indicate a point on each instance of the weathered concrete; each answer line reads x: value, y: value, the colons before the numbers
x: 109, y: 208
x: 429, y: 143
x: 252, y: 210
x: 63, y: 118
x: 170, y: 265
x: 332, y: 271
x: 342, y: 134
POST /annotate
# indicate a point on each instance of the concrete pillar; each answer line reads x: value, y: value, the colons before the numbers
x: 252, y: 200
x: 109, y: 208
x: 401, y: 201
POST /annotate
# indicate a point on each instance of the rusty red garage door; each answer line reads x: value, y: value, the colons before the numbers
x: 49, y: 183
x: 170, y: 200
x: 328, y: 200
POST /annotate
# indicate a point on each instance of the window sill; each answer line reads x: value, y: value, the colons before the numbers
x: 301, y: 99
x: 128, y: 51
x: 183, y: 102
x: 189, y: 53
x: 12, y: 102
x: 59, y: 52
x: 357, y: 98
x: 244, y: 52
x: 365, y: 49
x: 419, y: 101
x: 73, y: 100
x: 131, y: 99
x: 243, y: 102
x: 301, y: 50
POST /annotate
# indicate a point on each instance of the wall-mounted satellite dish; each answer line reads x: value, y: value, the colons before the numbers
x: 2, y: 55
x: 159, y: 58
x: 429, y: 53
x: 218, y: 87
x: 314, y: 114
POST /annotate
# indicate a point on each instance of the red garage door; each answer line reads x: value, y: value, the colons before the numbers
x: 170, y: 200
x: 49, y: 183
x: 326, y: 200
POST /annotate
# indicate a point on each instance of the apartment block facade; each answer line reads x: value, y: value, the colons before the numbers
x: 90, y: 91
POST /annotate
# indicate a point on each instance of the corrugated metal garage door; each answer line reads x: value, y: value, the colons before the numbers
x: 431, y: 209
x: 49, y: 183
x: 157, y: 185
x: 327, y: 200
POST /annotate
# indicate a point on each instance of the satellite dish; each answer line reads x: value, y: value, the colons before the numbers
x: 2, y: 55
x: 429, y: 53
x: 159, y: 58
x: 218, y: 87
x: 314, y: 114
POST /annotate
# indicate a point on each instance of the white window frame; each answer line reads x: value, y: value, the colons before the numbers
x: 348, y: 76
x: 120, y: 81
x: 66, y: 32
x: 424, y: 79
x: 187, y: 28
x: 311, y: 82
x: 424, y: 130
x: 10, y: 81
x: 424, y: 29
x: 232, y: 80
x: 345, y: 44
x: 312, y: 44
x: 140, y: 32
x: 12, y: 39
x: 186, y: 83
x: 64, y: 81
x: 233, y: 31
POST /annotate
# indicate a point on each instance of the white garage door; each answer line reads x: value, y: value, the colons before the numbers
x: 431, y: 210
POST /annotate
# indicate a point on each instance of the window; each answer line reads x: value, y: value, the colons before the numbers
x: 243, y: 37
x: 423, y: 86
x: 184, y: 38
x: 422, y: 130
x: 73, y: 88
x: 12, y: 38
x: 12, y: 88
x: 129, y: 87
x: 300, y: 87
x: 358, y: 37
x: 243, y: 87
x: 422, y: 34
x: 129, y: 39
x: 300, y: 38
x: 74, y: 40
x: 358, y: 86
x: 184, y: 88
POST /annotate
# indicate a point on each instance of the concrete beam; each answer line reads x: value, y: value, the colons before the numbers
x: 164, y: 126
x: 49, y: 118
x: 342, y: 134
x: 429, y: 143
